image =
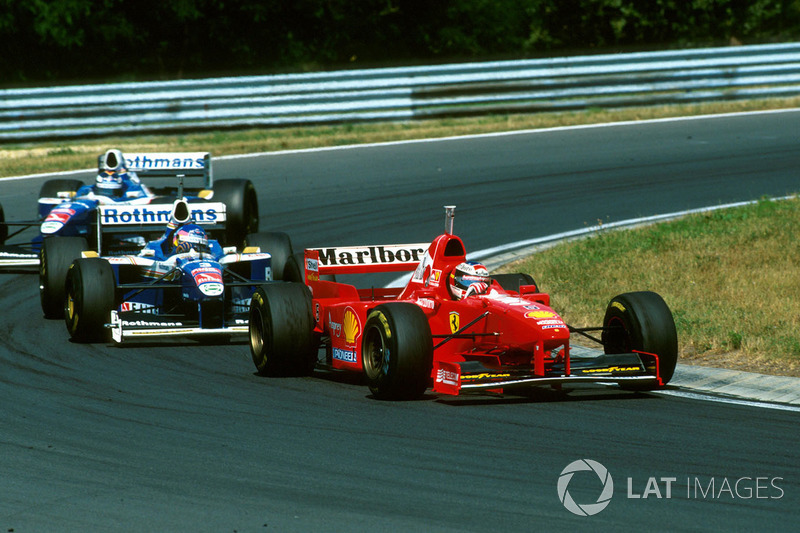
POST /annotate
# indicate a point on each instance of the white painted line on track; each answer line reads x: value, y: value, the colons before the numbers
x: 723, y: 399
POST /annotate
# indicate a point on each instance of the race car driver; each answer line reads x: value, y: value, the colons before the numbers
x: 114, y: 183
x: 467, y: 279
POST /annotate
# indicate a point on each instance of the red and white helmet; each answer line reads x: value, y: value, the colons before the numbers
x: 468, y: 278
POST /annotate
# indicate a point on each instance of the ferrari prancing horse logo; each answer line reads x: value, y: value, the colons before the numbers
x: 455, y: 321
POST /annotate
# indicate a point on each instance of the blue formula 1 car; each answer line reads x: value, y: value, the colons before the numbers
x: 68, y: 208
x: 181, y: 284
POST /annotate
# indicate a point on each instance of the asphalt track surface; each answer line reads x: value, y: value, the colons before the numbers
x: 184, y: 437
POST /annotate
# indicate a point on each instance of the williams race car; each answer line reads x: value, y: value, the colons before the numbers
x: 181, y: 284
x: 67, y: 207
x: 452, y: 326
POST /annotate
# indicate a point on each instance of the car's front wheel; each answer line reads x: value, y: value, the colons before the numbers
x: 90, y: 298
x: 642, y: 321
x: 397, y: 351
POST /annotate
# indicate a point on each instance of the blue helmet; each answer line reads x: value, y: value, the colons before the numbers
x: 109, y: 183
x: 190, y: 237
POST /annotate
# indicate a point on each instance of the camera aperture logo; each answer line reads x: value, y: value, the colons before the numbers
x: 586, y: 509
x: 664, y: 487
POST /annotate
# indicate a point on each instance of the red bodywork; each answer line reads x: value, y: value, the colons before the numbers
x: 492, y: 341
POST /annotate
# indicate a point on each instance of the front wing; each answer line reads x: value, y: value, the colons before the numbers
x: 150, y: 327
x: 630, y: 369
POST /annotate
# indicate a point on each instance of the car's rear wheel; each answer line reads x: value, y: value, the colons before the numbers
x: 55, y: 257
x: 279, y: 246
x: 241, y: 208
x: 397, y: 351
x: 90, y: 297
x: 282, y: 340
x: 642, y: 321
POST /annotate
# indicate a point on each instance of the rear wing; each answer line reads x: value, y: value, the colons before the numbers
x: 153, y: 218
x: 363, y: 259
x: 169, y: 165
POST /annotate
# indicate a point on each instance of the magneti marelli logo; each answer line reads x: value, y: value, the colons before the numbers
x: 586, y: 509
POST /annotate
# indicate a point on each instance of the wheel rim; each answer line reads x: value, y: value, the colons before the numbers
x: 616, y: 337
x: 375, y: 354
x: 259, y: 330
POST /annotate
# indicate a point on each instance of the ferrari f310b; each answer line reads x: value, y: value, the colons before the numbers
x: 452, y: 326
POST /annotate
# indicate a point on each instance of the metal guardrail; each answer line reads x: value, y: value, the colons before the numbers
x: 610, y: 80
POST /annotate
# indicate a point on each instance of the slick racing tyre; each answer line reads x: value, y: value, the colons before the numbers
x: 90, y: 291
x: 642, y: 321
x: 397, y: 351
x: 55, y: 257
x: 51, y: 188
x: 279, y: 246
x: 241, y: 208
x: 282, y: 340
x: 512, y: 282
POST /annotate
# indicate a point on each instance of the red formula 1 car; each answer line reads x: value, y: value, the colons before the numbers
x: 405, y: 340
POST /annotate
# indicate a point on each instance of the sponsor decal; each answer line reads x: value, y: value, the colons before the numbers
x: 552, y: 327
x: 150, y: 324
x: 121, y: 215
x: 60, y: 214
x: 335, y: 327
x: 455, y: 321
x: 447, y: 377
x: 426, y: 303
x: 352, y: 326
x: 344, y: 355
x: 137, y: 306
x: 51, y: 227
x: 166, y: 161
x: 540, y: 314
x: 610, y: 369
x: 485, y: 375
x: 550, y: 322
x: 509, y: 300
x: 371, y: 255
x: 211, y: 289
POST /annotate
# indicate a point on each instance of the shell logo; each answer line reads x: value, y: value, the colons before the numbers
x: 540, y: 314
x: 351, y: 326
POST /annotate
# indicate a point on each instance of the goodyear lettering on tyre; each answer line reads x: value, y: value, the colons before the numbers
x: 618, y: 305
x: 387, y: 330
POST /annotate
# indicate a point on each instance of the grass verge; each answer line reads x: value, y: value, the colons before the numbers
x: 731, y: 278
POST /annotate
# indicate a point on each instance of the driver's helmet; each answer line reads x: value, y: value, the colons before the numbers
x: 468, y: 278
x: 114, y: 160
x: 109, y: 183
x: 190, y: 237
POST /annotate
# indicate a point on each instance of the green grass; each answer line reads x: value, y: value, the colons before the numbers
x: 731, y: 278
